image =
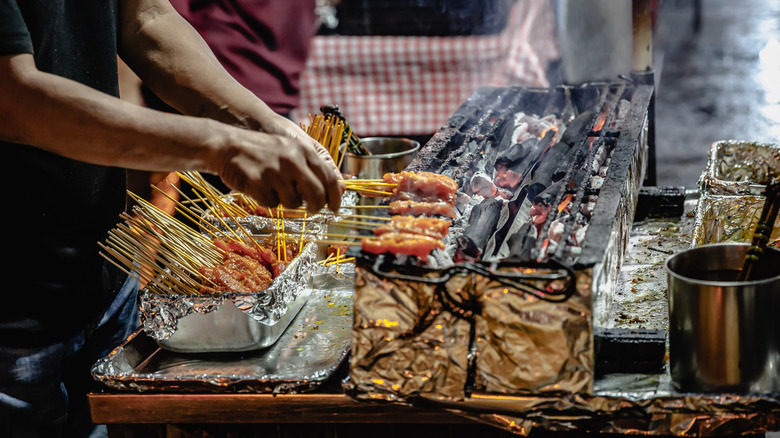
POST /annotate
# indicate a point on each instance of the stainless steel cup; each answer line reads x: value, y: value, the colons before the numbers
x: 724, y: 335
x: 388, y: 155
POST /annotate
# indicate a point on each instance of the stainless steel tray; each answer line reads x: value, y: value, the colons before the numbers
x: 232, y: 321
x: 229, y: 329
x: 311, y: 349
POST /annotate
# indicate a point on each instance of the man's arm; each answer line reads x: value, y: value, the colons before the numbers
x: 73, y: 120
x: 167, y: 52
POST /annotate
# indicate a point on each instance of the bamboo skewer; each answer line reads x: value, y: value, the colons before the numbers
x: 329, y: 132
x: 339, y: 242
x: 368, y: 207
x: 363, y: 216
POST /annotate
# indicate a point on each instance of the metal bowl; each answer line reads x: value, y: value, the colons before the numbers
x: 388, y: 155
x: 724, y: 335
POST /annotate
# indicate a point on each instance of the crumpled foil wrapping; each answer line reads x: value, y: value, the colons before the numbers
x: 729, y: 218
x: 739, y: 167
x: 160, y: 314
x: 471, y: 333
x: 632, y: 404
x: 307, y: 354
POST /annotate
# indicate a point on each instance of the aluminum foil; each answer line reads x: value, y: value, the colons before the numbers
x: 625, y: 404
x: 306, y: 355
x: 729, y: 218
x: 161, y: 315
x: 739, y: 167
x: 473, y: 331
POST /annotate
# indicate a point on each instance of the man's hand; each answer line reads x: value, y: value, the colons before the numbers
x: 279, y: 169
x: 282, y: 126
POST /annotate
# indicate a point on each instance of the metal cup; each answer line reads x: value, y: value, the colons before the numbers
x: 388, y: 155
x: 724, y: 335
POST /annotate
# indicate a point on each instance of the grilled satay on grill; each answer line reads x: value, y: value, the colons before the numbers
x: 402, y: 243
x: 416, y: 208
x: 422, y: 186
x: 426, y: 226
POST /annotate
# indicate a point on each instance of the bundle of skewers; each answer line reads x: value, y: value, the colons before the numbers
x: 417, y: 216
x: 219, y: 255
x: 331, y: 130
x: 169, y: 257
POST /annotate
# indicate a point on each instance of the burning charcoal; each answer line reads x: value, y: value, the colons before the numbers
x: 513, y: 207
x: 482, y: 185
x: 521, y: 244
x: 549, y: 165
x: 578, y: 231
x: 520, y: 132
x: 482, y: 222
x: 596, y: 182
x: 542, y: 204
x: 513, y: 175
x: 556, y: 230
x: 504, y: 193
x: 587, y: 208
x: 461, y: 201
x: 516, y: 152
x: 539, y: 212
x: 506, y: 178
x: 502, y: 142
x: 577, y: 129
x: 599, y: 159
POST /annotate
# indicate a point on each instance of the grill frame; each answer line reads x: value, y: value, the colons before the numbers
x: 591, y: 278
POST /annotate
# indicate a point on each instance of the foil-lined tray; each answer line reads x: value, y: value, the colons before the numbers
x: 731, y: 189
x: 306, y: 355
x: 231, y: 321
x: 739, y: 167
x: 729, y: 218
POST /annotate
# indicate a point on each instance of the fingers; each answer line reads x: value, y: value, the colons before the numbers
x: 322, y: 152
x: 277, y: 170
x: 330, y: 178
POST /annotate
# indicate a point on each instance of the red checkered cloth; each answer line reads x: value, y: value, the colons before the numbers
x: 411, y: 85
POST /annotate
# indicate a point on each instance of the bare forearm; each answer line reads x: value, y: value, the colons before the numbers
x: 174, y: 61
x: 70, y: 119
x: 67, y: 118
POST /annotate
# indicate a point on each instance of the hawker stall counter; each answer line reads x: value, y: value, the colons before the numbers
x: 642, y: 402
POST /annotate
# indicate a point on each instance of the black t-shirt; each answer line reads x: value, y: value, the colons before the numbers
x: 57, y: 209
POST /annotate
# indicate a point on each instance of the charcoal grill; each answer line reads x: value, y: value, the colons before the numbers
x: 562, y: 291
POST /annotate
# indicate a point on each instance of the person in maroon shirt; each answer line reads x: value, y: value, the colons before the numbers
x: 263, y: 44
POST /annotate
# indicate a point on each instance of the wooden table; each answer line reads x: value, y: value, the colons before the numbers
x: 264, y: 415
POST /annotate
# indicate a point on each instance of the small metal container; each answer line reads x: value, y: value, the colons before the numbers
x: 231, y: 321
x: 724, y: 335
x: 388, y: 155
x: 229, y: 329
